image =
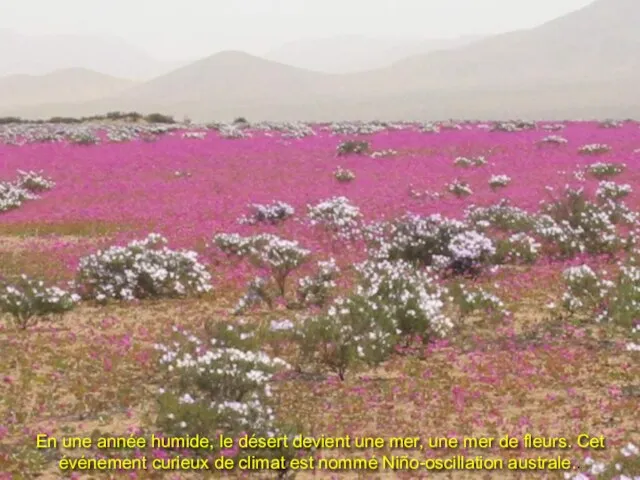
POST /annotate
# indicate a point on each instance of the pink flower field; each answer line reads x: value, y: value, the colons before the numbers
x: 548, y: 345
x: 134, y: 183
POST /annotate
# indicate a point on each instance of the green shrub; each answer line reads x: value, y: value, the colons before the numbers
x: 353, y: 147
x: 211, y: 387
x: 351, y: 333
x: 27, y: 300
x: 159, y: 118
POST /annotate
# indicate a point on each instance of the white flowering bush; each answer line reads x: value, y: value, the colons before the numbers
x: 34, y: 182
x: 517, y: 248
x: 442, y: 243
x: 315, y: 290
x: 463, y: 162
x: 45, y: 137
x: 610, y: 123
x: 595, y: 234
x: 142, y: 269
x: 409, y: 299
x: 83, y: 138
x: 276, y: 255
x: 560, y: 237
x: 554, y: 127
x: 526, y: 124
x: 26, y: 300
x: 605, y: 169
x: 608, y: 190
x: 594, y: 149
x: 623, y: 306
x: 120, y: 136
x: 355, y: 128
x: 469, y: 251
x: 233, y: 132
x: 459, y: 188
x: 619, y: 213
x: 553, y: 140
x: 296, y: 130
x: 392, y: 301
x: 25, y: 187
x: 505, y: 127
x: 12, y: 196
x: 349, y: 334
x: 273, y: 213
x: 430, y: 128
x: 466, y: 162
x: 497, y: 182
x: 344, y: 175
x: 337, y: 214
x: 632, y: 242
x: 465, y: 301
x: 574, y: 224
x: 617, y: 300
x: 211, y: 387
x: 353, y: 147
x: 240, y: 334
x: 500, y: 216
x: 232, y: 243
x: 412, y: 238
x: 266, y: 251
x: 569, y: 206
x: 584, y: 289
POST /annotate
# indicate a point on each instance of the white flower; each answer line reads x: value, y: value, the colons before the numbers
x: 630, y: 449
x: 281, y: 325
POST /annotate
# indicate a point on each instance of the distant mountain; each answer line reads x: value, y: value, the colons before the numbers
x: 225, y: 81
x: 355, y: 53
x: 230, y: 77
x: 42, y: 54
x: 596, y: 43
x: 70, y: 85
x: 584, y: 64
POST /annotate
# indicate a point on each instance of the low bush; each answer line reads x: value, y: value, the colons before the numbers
x: 142, y: 269
x: 159, y: 118
x: 212, y: 387
x: 273, y: 213
x: 353, y: 147
x: 28, y: 300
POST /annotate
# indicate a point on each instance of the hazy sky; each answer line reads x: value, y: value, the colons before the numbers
x: 195, y: 28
